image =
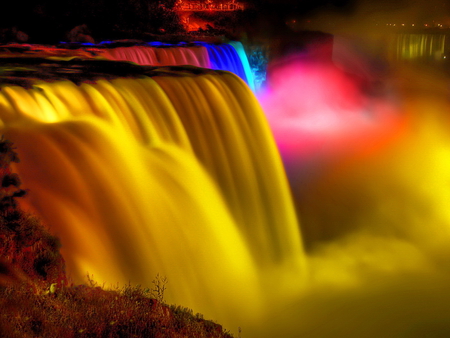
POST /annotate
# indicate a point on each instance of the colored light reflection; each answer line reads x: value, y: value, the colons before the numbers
x: 369, y: 176
x: 315, y: 106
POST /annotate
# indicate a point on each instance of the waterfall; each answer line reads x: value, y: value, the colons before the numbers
x: 220, y: 56
x: 169, y: 170
x: 173, y: 170
x: 420, y: 46
x: 223, y: 56
x: 231, y: 57
x: 164, y: 55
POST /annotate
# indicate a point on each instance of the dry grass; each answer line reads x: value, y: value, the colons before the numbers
x: 88, y: 311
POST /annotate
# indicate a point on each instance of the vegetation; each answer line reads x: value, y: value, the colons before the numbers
x: 28, y: 252
x: 37, y: 300
x: 87, y: 311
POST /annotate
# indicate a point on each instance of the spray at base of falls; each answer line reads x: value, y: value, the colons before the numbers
x: 373, y: 201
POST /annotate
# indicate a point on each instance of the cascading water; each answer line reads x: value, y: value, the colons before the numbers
x: 163, y: 55
x: 174, y: 171
x: 169, y: 172
x: 223, y: 56
x: 231, y: 57
x: 429, y: 46
x: 220, y: 56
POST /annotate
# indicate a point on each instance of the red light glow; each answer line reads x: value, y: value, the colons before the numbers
x: 316, y: 107
x: 198, y: 6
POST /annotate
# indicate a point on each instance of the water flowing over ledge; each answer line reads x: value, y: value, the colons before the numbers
x: 114, y: 149
x: 218, y: 56
x: 146, y: 170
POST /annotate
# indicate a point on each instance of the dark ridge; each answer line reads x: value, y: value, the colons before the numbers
x: 24, y: 71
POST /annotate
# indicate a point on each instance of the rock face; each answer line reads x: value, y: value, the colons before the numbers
x: 28, y: 252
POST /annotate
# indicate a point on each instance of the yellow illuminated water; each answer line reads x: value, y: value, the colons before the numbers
x: 177, y: 176
x: 421, y: 46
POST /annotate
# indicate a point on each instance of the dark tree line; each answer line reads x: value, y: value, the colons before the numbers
x: 49, y: 21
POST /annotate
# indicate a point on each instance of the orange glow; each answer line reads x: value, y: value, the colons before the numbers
x: 136, y: 177
x: 197, y: 6
x: 178, y: 173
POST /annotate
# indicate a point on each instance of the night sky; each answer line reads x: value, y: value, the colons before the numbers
x: 52, y: 19
x: 374, y: 10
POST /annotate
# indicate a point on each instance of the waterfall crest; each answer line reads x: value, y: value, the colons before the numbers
x: 175, y: 173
